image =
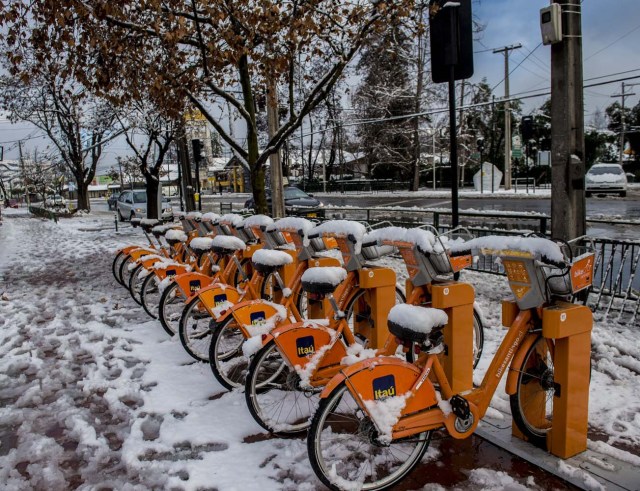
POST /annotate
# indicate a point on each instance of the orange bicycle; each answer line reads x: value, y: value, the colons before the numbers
x: 284, y: 383
x: 376, y: 417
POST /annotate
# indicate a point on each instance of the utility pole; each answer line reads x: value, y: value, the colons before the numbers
x: 507, y: 114
x: 277, y: 194
x: 568, y: 204
x: 623, y: 95
x: 24, y: 174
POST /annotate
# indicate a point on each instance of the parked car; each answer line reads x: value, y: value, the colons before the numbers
x: 606, y: 178
x: 296, y: 202
x: 133, y: 203
x: 13, y: 203
x: 55, y: 201
x: 112, y: 201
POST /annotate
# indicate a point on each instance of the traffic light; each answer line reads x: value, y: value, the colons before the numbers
x: 526, y: 128
x: 451, y: 36
x: 197, y: 149
x: 480, y: 144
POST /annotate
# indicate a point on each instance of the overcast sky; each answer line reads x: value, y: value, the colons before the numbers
x: 611, y: 44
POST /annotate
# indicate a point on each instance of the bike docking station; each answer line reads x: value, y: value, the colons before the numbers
x: 566, y: 326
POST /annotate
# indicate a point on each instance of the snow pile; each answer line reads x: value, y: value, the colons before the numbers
x: 229, y: 242
x: 258, y: 221
x: 417, y: 319
x: 232, y: 219
x: 490, y: 480
x: 193, y: 215
x: 327, y: 275
x: 386, y: 413
x: 342, y: 228
x: 356, y: 352
x: 269, y: 323
x: 176, y: 235
x: 533, y: 245
x: 424, y: 239
x: 267, y: 257
x: 201, y: 244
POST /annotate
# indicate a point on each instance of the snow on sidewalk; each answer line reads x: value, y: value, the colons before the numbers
x: 93, y: 394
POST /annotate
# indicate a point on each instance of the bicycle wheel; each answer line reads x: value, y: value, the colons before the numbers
x: 125, y: 272
x: 136, y: 280
x: 170, y: 308
x: 195, y: 334
x: 478, y: 338
x: 269, y: 286
x: 115, y: 266
x: 247, y: 267
x: 228, y: 363
x: 274, y: 397
x: 150, y: 295
x: 532, y: 403
x: 345, y: 453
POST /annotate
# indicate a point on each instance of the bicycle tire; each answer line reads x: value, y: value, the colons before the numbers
x: 219, y: 361
x: 478, y: 338
x: 133, y: 282
x: 167, y: 319
x: 124, y: 271
x: 147, y: 300
x: 535, y: 387
x: 115, y: 266
x: 195, y: 340
x: 358, y: 430
x: 267, y: 370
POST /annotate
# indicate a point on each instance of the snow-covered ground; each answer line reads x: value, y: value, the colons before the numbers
x: 93, y: 395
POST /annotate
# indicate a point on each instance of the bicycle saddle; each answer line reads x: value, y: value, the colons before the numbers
x: 414, y: 324
x: 323, y: 280
x: 266, y: 261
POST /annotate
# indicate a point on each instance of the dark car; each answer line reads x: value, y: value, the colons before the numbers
x: 296, y: 202
x: 113, y: 199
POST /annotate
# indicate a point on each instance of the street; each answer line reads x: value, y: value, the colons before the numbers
x: 598, y: 207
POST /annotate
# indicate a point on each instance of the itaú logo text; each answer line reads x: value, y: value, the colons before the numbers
x: 384, y: 387
x: 305, y: 346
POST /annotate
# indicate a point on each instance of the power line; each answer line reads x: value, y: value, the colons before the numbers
x: 611, y: 44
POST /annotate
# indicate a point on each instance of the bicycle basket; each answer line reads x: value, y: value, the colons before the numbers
x: 575, y: 278
x: 440, y: 258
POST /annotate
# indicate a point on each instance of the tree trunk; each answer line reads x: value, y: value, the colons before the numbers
x: 83, y: 202
x: 152, y: 195
x: 186, y: 185
x: 415, y: 184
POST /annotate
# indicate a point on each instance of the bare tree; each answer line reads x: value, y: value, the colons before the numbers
x: 158, y: 132
x: 78, y: 125
x: 217, y: 53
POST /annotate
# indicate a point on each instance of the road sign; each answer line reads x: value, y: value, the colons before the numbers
x: 516, y: 153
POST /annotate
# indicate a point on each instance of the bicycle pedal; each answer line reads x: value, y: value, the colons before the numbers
x: 460, y: 407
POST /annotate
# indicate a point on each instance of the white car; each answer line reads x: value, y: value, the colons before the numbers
x: 606, y: 178
x: 133, y: 203
x: 55, y: 201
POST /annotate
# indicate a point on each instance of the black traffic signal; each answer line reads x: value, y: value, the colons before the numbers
x: 526, y: 128
x: 480, y: 144
x: 451, y: 37
x: 197, y: 150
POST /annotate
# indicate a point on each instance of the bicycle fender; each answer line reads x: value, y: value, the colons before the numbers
x: 215, y: 295
x: 141, y: 251
x: 516, y: 363
x: 191, y: 282
x: 129, y: 248
x: 386, y: 376
x: 304, y: 342
x: 258, y: 314
x: 149, y: 261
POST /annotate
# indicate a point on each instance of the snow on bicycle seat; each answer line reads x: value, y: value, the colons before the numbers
x: 232, y: 219
x: 162, y: 229
x: 545, y: 250
x: 323, y: 280
x: 174, y: 236
x: 257, y: 221
x: 194, y: 215
x: 227, y: 244
x: 266, y: 260
x: 201, y: 244
x: 210, y: 217
x: 414, y: 324
x: 135, y: 221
